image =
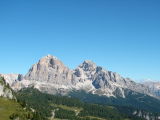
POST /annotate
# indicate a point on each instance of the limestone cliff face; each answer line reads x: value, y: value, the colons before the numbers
x: 12, y: 78
x: 52, y: 76
x: 106, y: 82
x: 154, y: 87
x: 5, y: 90
x: 51, y: 70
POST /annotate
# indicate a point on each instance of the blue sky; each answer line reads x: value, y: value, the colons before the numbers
x: 120, y: 35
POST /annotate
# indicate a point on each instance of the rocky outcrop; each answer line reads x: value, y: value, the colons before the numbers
x: 12, y: 78
x: 146, y: 115
x: 154, y: 87
x: 5, y: 90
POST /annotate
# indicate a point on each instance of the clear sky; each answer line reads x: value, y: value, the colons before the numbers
x: 121, y: 35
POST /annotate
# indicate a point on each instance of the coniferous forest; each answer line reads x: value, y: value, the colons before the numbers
x: 47, y: 106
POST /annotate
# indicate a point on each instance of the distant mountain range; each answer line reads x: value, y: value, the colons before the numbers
x: 89, y: 83
x: 154, y: 87
x: 52, y: 76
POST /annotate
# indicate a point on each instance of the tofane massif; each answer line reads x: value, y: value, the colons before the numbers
x: 50, y: 90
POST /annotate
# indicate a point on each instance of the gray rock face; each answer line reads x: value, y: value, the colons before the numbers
x: 12, y: 78
x: 146, y: 115
x: 109, y: 83
x: 51, y: 70
x: 154, y: 87
x: 5, y: 90
x: 52, y: 76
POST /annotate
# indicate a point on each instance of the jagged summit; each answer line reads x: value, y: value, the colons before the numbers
x: 50, y: 61
x: 52, y: 76
x: 49, y: 69
x: 88, y: 65
x: 89, y: 62
x: 50, y: 57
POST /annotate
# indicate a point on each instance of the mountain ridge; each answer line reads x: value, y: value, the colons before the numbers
x: 50, y: 75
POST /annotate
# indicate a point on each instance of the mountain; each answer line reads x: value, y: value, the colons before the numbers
x: 89, y: 83
x: 50, y: 69
x: 52, y: 76
x: 154, y: 87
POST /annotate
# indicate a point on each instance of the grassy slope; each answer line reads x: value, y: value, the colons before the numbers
x: 76, y: 110
x: 11, y: 108
x: 8, y: 107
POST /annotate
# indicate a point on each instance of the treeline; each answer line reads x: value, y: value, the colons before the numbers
x: 42, y: 104
x: 132, y: 100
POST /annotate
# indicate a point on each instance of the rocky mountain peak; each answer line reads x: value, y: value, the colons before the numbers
x: 88, y: 65
x: 49, y: 57
x: 51, y: 75
x: 50, y: 61
x: 51, y: 70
